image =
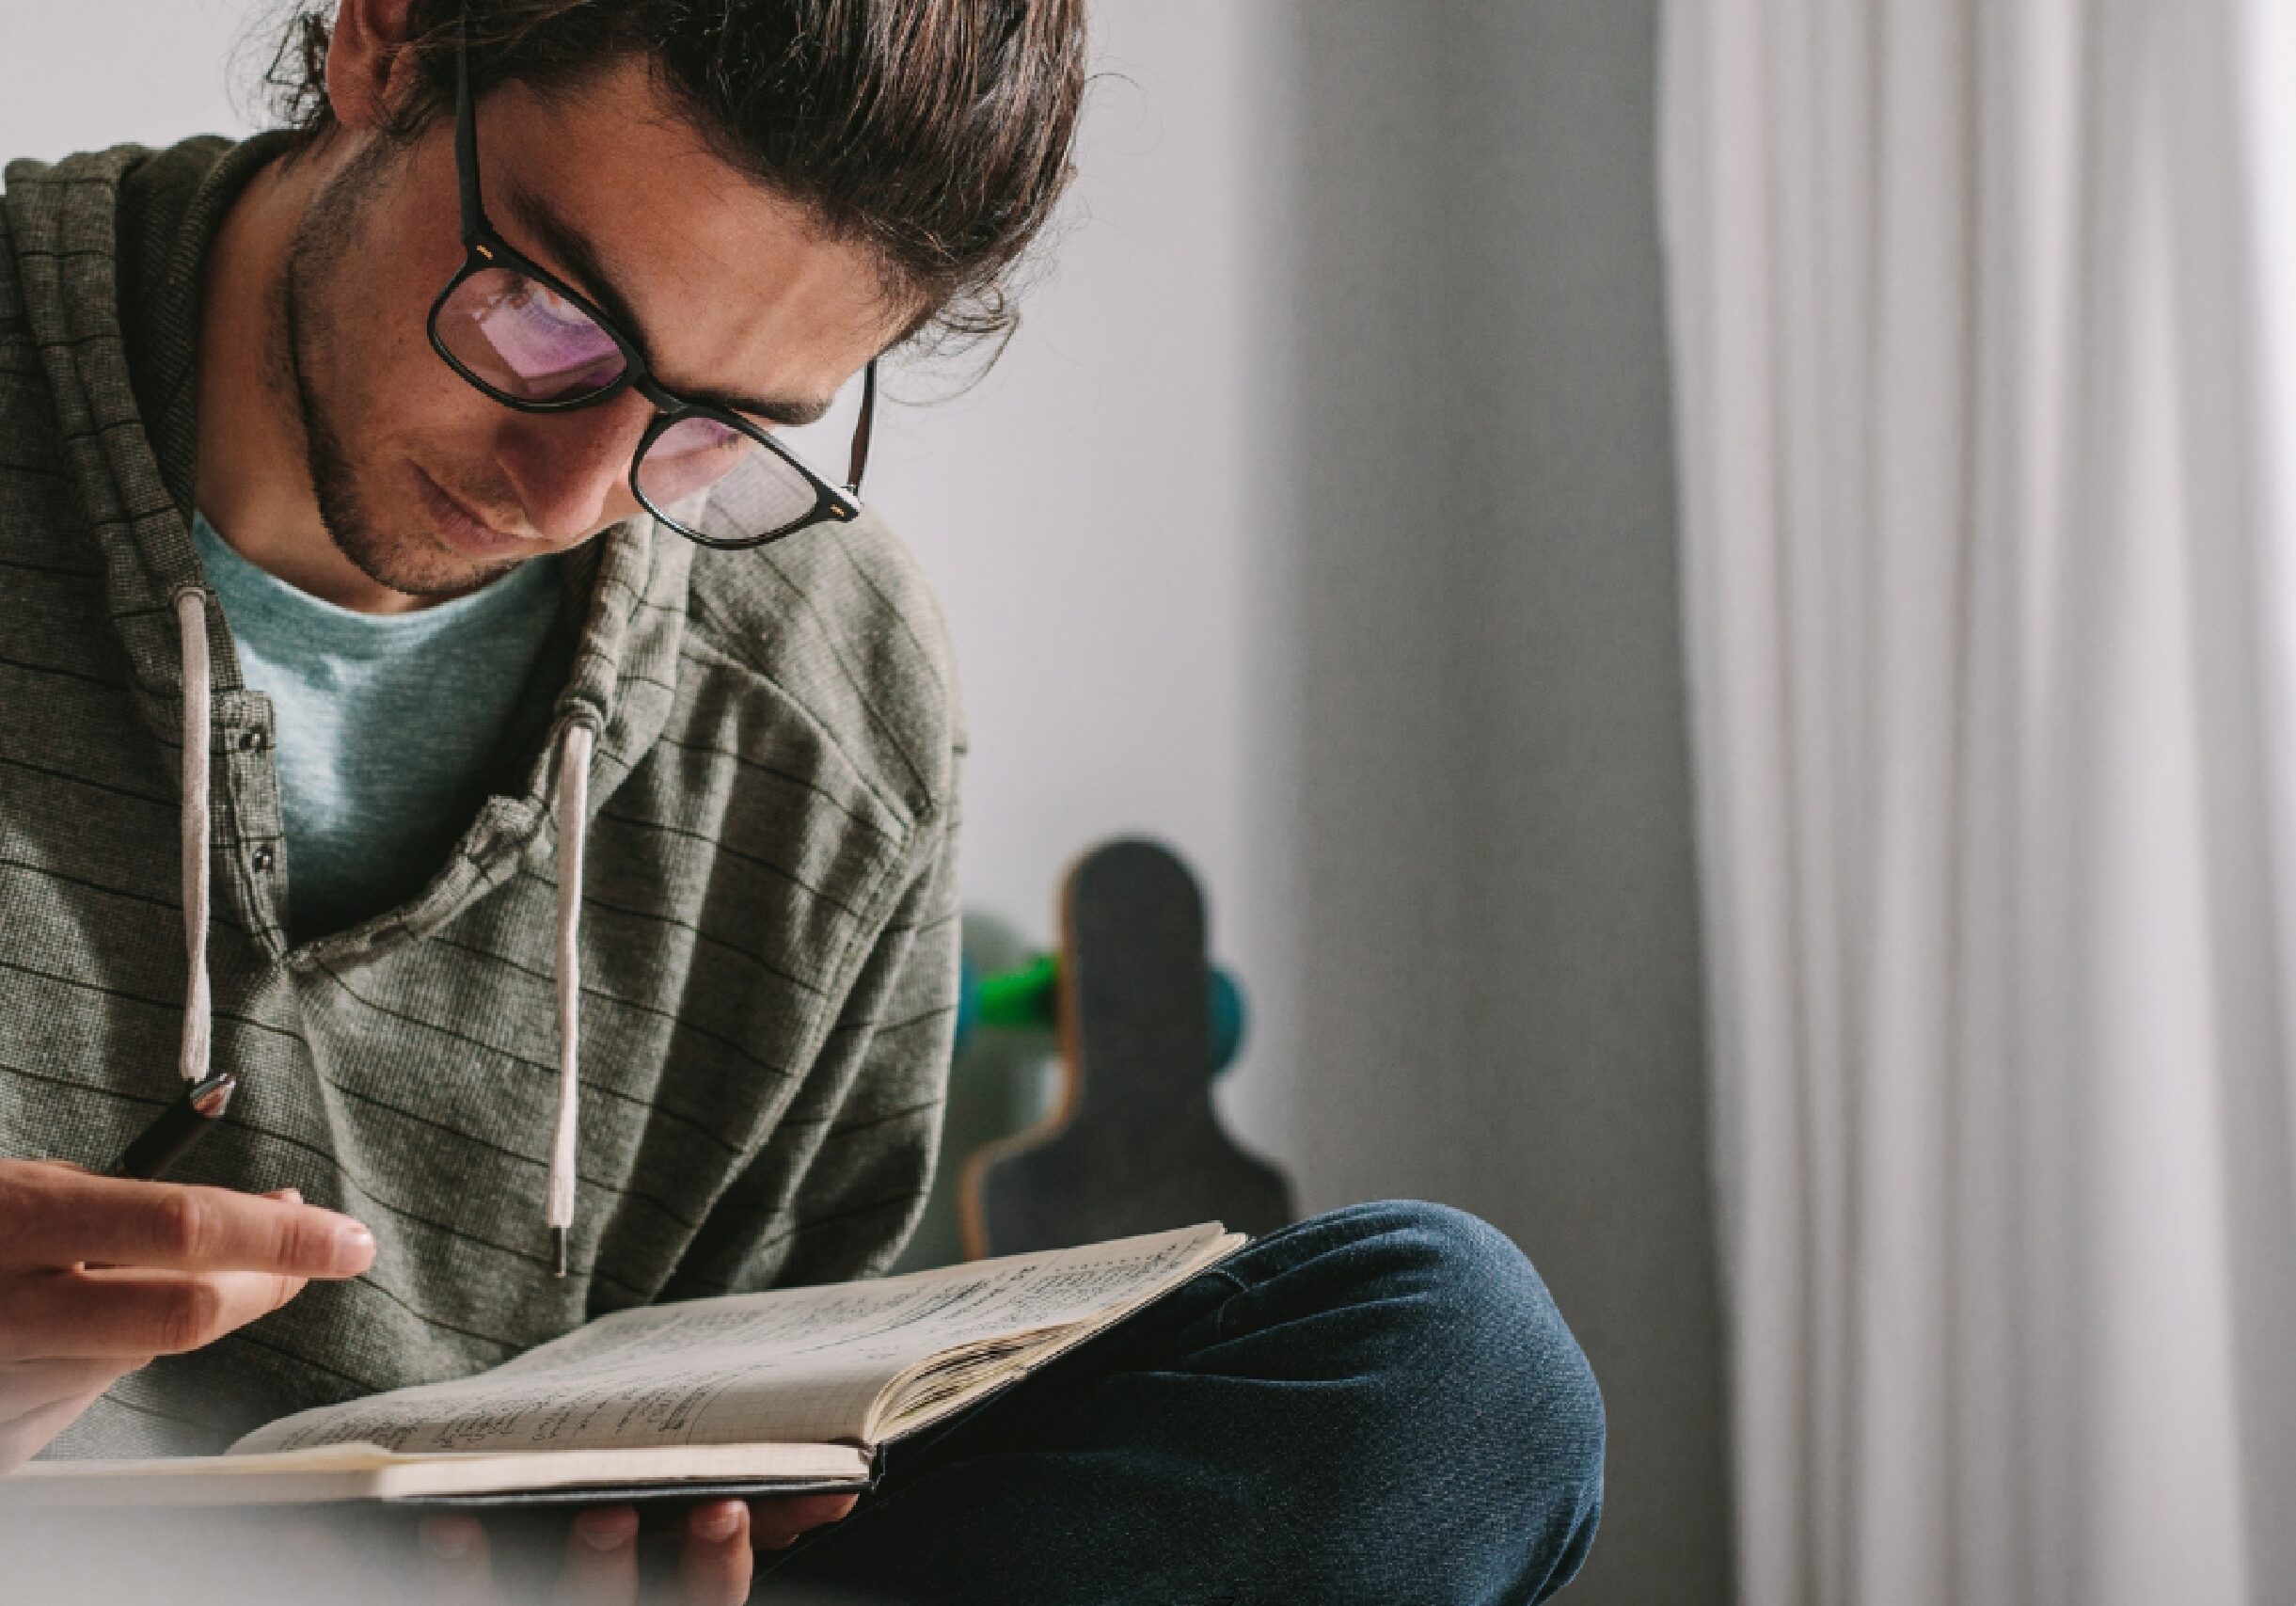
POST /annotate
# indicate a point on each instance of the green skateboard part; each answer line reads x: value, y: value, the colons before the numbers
x: 1024, y: 998
x: 1028, y: 999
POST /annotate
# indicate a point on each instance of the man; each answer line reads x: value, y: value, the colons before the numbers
x: 430, y: 694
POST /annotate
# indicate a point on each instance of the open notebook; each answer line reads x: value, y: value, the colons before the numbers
x: 775, y: 1392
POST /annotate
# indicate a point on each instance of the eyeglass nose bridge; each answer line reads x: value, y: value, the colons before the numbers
x: 665, y: 404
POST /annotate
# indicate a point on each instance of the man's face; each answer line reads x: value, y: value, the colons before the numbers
x: 734, y: 291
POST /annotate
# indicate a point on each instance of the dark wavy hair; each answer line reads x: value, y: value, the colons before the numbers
x: 936, y: 133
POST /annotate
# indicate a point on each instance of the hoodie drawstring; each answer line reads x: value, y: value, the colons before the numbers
x: 573, y: 817
x: 198, y: 1004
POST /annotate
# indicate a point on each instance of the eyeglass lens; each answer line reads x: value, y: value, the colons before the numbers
x: 527, y: 340
x: 522, y: 339
x: 751, y: 489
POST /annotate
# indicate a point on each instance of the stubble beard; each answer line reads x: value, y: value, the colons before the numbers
x: 413, y: 564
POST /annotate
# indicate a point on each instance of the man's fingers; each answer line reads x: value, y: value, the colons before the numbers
x: 454, y: 1561
x: 601, y: 1558
x: 25, y: 1438
x: 130, y: 1315
x: 775, y: 1523
x: 714, y: 1562
x: 27, y: 1386
x: 50, y: 1216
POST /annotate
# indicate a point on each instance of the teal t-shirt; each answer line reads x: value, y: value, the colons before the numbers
x: 389, y: 728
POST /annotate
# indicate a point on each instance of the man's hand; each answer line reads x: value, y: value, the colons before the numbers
x: 98, y: 1275
x: 716, y: 1541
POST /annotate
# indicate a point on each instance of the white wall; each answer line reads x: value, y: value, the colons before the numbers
x: 1319, y: 521
x: 1086, y: 512
x: 88, y: 74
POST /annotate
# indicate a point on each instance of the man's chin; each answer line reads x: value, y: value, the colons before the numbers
x: 401, y: 550
x: 419, y: 564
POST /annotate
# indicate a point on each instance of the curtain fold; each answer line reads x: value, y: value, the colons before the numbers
x: 1986, y: 579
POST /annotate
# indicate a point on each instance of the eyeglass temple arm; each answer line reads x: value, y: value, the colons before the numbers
x: 862, y: 428
x: 467, y: 137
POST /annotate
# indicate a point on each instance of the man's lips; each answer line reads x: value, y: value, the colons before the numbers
x: 464, y: 530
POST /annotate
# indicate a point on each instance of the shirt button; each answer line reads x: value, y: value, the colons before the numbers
x: 250, y: 742
x: 261, y: 859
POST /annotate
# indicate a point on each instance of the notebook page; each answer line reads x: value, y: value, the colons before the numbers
x: 798, y: 1365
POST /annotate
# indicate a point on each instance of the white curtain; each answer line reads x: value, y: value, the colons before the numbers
x: 1983, y: 327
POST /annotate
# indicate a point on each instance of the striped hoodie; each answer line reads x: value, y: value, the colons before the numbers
x: 749, y: 759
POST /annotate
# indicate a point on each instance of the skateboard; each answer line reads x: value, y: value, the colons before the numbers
x: 1133, y: 1143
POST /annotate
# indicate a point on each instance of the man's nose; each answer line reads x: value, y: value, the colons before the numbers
x: 568, y: 468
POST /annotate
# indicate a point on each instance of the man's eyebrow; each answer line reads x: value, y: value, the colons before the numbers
x: 573, y: 249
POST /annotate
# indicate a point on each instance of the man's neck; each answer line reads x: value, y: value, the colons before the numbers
x: 253, y: 478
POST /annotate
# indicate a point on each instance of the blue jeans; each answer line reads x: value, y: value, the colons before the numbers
x: 1379, y: 1405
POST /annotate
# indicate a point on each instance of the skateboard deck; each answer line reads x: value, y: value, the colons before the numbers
x: 1134, y: 1143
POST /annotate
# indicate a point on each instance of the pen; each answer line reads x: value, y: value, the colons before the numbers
x: 179, y: 1126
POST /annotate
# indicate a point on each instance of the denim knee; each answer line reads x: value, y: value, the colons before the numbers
x: 1492, y: 1358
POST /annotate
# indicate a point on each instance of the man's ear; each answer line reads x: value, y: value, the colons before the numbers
x: 369, y: 71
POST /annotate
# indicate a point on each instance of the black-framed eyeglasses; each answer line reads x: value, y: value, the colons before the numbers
x: 534, y: 342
